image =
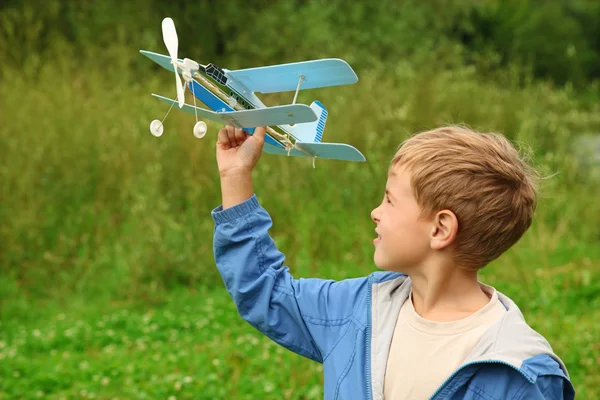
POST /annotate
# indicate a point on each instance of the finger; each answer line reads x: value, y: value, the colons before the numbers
x: 223, y: 139
x: 231, y: 135
x: 240, y: 136
x: 260, y: 132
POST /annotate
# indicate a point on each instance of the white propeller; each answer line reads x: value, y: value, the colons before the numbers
x: 187, y: 68
x: 172, y: 43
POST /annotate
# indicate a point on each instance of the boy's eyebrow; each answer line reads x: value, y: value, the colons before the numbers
x: 388, y: 193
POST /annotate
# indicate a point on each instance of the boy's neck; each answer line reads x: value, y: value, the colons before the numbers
x: 446, y: 293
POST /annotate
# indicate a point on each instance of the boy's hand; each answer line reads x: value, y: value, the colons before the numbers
x: 238, y: 151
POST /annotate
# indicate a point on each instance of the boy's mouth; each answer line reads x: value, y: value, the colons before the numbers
x: 378, y: 238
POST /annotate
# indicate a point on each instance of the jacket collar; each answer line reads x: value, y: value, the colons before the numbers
x: 510, y: 340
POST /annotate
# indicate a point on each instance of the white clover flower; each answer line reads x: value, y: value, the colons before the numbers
x: 146, y: 318
x: 269, y: 387
x: 105, y: 381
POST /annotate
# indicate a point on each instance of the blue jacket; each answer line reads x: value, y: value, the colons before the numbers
x: 348, y: 325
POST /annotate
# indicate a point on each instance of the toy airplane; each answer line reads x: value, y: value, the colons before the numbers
x: 293, y: 129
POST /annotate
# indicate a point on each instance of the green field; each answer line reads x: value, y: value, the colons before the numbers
x: 108, y: 287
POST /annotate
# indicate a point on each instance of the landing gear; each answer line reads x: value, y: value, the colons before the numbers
x: 200, y: 129
x: 156, y: 128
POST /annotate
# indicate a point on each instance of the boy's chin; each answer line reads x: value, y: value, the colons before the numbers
x: 386, y: 266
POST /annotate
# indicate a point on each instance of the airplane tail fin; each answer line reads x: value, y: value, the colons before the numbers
x: 312, y: 131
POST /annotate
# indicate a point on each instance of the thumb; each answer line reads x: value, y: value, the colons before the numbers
x: 260, y: 132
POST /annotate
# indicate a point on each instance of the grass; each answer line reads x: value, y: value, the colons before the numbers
x: 187, y: 348
x: 108, y: 285
x: 193, y: 345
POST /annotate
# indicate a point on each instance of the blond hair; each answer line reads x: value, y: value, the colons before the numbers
x: 481, y: 178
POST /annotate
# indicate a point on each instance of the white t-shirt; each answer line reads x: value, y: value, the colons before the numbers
x: 424, y: 353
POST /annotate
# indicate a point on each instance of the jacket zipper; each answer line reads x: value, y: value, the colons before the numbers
x: 368, y: 333
x: 441, y: 387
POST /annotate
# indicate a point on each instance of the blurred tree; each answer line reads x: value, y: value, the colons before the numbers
x: 557, y: 40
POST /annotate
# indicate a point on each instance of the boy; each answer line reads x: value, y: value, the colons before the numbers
x: 454, y: 201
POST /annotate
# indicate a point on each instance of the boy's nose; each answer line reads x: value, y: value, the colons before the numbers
x: 374, y: 214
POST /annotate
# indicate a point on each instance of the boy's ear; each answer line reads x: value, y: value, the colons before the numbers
x: 444, y: 229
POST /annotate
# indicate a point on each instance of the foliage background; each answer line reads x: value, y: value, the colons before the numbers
x: 108, y: 287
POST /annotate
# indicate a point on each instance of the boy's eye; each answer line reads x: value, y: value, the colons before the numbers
x: 387, y: 199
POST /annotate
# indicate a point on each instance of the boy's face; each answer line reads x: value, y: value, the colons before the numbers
x: 403, y: 240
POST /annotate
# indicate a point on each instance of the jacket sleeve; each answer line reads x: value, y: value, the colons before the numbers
x: 307, y: 316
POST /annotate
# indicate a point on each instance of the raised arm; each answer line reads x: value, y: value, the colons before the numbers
x: 307, y: 316
x: 237, y: 154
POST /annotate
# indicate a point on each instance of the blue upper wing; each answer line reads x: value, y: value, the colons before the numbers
x: 284, y: 77
x: 160, y: 59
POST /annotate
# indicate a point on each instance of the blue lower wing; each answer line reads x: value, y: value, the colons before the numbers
x: 271, y: 116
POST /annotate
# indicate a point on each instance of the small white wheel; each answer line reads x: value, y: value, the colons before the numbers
x: 200, y: 129
x: 156, y: 128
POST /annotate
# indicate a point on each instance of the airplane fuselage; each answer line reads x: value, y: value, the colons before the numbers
x: 222, y: 93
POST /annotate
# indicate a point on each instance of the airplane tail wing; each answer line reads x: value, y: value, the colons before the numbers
x: 312, y: 131
x: 331, y: 151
